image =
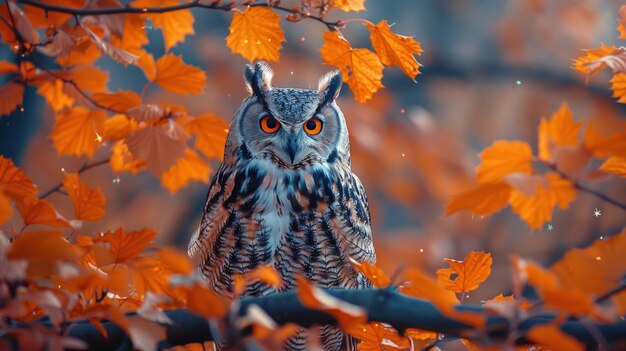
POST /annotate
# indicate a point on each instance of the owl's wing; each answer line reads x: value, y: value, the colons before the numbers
x: 360, y: 242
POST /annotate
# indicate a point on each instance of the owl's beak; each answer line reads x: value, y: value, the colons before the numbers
x: 293, y: 147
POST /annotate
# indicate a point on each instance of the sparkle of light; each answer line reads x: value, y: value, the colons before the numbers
x: 518, y: 82
x: 597, y: 213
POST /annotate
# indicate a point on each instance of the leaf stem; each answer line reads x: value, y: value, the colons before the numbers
x: 85, y: 167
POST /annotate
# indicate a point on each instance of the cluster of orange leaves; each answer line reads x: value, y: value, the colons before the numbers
x: 67, y: 275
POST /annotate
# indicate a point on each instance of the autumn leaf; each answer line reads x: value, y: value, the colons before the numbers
x: 119, y: 127
x: 6, y: 210
x: 120, y: 101
x: 483, y: 200
x: 118, y: 55
x: 8, y: 67
x: 265, y: 274
x: 559, y: 130
x: 14, y: 181
x: 504, y: 157
x: 361, y: 68
x: 205, y: 302
x: 346, y: 314
x: 175, y: 261
x: 210, y: 132
x: 175, y: 25
x: 374, y: 274
x: 38, y: 211
x: 394, y: 49
x: 125, y: 246
x: 470, y: 272
x: 615, y: 165
x: 11, y: 95
x: 43, y: 250
x: 615, y: 60
x: 378, y: 337
x: 349, y: 5
x: 621, y: 28
x: 553, y: 338
x: 618, y: 86
x: 145, y: 334
x: 256, y: 34
x: 603, y: 146
x: 159, y: 146
x: 536, y: 209
x: 88, y: 203
x: 178, y: 77
x: 592, y: 56
x: 123, y: 161
x: 188, y: 168
x: 78, y: 131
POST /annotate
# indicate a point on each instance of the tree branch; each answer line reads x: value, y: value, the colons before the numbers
x: 382, y: 305
x: 85, y: 167
x: 192, y: 4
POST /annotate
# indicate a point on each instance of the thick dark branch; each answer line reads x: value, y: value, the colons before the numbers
x: 85, y: 167
x: 228, y: 6
x: 382, y: 305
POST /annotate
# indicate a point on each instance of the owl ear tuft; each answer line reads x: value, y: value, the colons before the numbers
x: 258, y: 78
x: 330, y: 86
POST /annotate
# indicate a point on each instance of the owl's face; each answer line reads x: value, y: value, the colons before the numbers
x: 292, y: 127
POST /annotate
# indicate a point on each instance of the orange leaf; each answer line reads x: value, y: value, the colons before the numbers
x: 118, y: 127
x: 175, y: 261
x: 602, y: 146
x: 504, y: 157
x: 622, y: 22
x: 160, y: 147
x: 374, y: 274
x: 175, y: 25
x: 145, y: 334
x: 361, y: 68
x: 484, y: 200
x: 394, y: 49
x: 553, y: 338
x: 346, y: 314
x: 615, y: 165
x: 88, y: 203
x: 6, y: 210
x: 7, y: 67
x: 618, y: 86
x: 255, y: 34
x: 15, y: 182
x: 120, y: 101
x: 378, y: 337
x: 78, y: 131
x: 536, y: 209
x: 178, y: 77
x: 470, y: 272
x: 559, y: 130
x: 123, y: 161
x: 210, y: 132
x: 134, y: 36
x: 205, y: 302
x: 188, y: 168
x: 52, y: 91
x: 38, y: 211
x: 349, y: 5
x: 126, y: 246
x: 591, y: 56
x: 266, y: 274
x: 11, y: 95
x: 43, y: 250
x: 146, y: 63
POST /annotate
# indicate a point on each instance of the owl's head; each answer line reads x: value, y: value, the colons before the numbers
x: 290, y: 126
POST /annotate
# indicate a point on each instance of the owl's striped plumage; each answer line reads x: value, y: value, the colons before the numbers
x: 286, y: 198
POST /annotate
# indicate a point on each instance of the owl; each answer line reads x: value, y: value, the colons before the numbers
x: 285, y: 195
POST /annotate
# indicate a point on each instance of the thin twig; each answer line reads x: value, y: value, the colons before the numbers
x: 607, y: 295
x: 142, y: 10
x: 82, y: 169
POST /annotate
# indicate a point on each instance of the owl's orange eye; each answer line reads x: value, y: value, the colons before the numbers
x: 269, y: 124
x: 313, y: 126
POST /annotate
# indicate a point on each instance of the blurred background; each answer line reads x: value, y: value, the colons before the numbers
x: 491, y: 70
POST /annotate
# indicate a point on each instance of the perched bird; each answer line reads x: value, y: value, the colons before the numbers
x: 285, y: 195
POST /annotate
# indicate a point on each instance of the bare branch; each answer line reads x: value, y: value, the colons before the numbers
x: 85, y: 167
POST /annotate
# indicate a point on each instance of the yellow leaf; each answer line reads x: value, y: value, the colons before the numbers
x: 6, y: 210
x: 553, y: 338
x: 394, y: 49
x: 470, y: 272
x: 504, y: 157
x: 174, y: 24
x: 484, y: 200
x: 349, y: 5
x: 615, y: 165
x: 120, y: 101
x: 618, y: 86
x: 88, y: 203
x: 559, y: 130
x: 11, y: 95
x: 78, y: 131
x: 123, y: 161
x: 211, y: 132
x: 255, y: 34
x: 38, y: 211
x: 188, y: 168
x: 360, y: 68
x: 536, y: 209
x: 174, y: 75
x: 14, y: 181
